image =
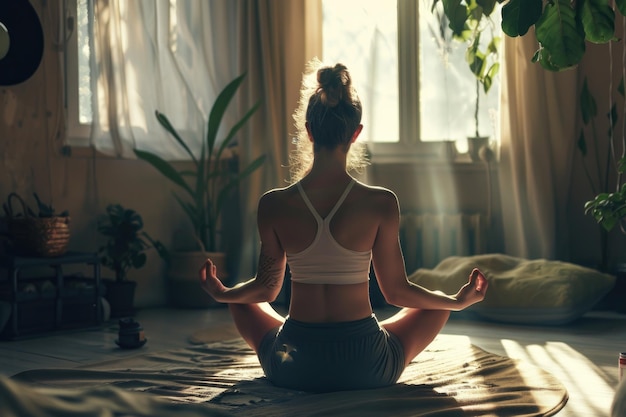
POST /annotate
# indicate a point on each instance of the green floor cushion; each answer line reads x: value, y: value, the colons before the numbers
x: 522, y: 291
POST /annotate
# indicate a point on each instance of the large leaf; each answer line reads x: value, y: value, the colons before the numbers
x: 543, y: 56
x: 598, y: 20
x: 490, y: 76
x: 588, y: 106
x: 487, y: 5
x: 164, y: 168
x: 475, y: 58
x: 582, y: 144
x: 164, y: 121
x: 217, y: 111
x: 231, y: 134
x: 519, y: 15
x: 561, y: 35
x: 612, y: 115
x: 621, y: 6
x: 457, y: 15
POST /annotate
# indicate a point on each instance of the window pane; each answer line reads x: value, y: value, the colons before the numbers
x: 363, y: 35
x: 447, y: 86
x: 85, y: 112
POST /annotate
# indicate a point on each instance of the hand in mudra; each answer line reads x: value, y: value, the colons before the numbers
x: 474, y: 290
x: 209, y: 280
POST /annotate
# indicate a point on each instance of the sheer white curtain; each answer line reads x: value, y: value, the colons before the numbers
x: 538, y: 145
x: 170, y: 55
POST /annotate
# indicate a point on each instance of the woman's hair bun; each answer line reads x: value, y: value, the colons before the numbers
x: 334, y: 84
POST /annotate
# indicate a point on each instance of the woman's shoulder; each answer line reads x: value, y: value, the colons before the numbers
x: 376, y: 191
x: 381, y: 200
x: 276, y: 196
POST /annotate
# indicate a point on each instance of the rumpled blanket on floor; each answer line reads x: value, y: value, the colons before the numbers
x: 451, y: 378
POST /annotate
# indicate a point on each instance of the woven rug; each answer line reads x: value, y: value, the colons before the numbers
x: 451, y: 378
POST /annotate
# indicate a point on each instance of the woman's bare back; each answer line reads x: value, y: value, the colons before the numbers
x: 354, y: 226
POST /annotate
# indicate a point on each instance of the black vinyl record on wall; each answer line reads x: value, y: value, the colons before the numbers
x: 21, y: 41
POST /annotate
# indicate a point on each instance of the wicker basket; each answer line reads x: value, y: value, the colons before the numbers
x: 37, y: 236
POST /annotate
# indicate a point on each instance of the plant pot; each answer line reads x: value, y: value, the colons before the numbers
x: 184, y: 278
x: 474, y: 145
x: 121, y: 297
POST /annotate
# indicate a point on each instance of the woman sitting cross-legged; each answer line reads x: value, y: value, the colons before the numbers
x: 329, y: 227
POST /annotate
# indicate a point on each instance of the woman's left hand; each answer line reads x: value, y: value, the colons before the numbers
x: 474, y: 290
x: 209, y: 280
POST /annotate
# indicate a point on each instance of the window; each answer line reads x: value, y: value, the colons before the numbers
x: 79, y: 20
x: 412, y: 77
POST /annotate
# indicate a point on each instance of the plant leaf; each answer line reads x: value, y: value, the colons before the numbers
x: 561, y: 36
x: 612, y: 116
x: 588, y: 107
x: 519, y: 15
x: 620, y: 5
x: 487, y: 5
x: 164, y: 168
x: 598, y: 21
x: 164, y: 121
x: 218, y: 109
x: 235, y: 129
x: 582, y: 144
x: 457, y: 16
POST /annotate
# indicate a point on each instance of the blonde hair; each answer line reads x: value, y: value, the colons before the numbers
x: 326, y: 90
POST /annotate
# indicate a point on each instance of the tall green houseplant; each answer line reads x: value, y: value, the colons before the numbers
x: 208, y: 184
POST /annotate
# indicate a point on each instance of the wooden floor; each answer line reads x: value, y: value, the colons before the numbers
x: 582, y: 355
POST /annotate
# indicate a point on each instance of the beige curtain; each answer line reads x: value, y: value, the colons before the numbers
x: 279, y: 38
x: 537, y: 149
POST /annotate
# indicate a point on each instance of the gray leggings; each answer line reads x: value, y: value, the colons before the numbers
x: 323, y: 357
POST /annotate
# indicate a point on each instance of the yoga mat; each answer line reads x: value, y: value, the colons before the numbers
x: 451, y: 377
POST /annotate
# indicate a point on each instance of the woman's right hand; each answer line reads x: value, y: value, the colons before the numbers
x: 474, y: 290
x: 209, y: 280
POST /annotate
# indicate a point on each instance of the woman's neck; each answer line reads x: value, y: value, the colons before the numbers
x: 329, y: 164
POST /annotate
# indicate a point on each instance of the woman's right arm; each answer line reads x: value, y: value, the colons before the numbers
x: 389, y: 267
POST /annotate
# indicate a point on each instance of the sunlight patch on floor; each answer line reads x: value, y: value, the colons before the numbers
x: 580, y: 376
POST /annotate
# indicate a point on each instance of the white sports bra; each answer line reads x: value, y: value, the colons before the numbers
x: 325, y: 261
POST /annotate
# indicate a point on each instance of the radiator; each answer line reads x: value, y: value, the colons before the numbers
x: 428, y: 238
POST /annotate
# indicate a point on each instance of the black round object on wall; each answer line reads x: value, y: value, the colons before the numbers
x: 21, y: 41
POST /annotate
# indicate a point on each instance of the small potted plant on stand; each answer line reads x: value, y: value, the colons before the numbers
x: 124, y: 250
x: 207, y: 188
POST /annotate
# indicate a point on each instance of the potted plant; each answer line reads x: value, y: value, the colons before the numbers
x: 469, y: 21
x: 206, y: 188
x: 124, y: 250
